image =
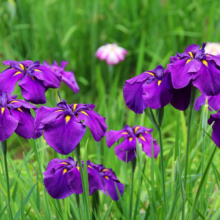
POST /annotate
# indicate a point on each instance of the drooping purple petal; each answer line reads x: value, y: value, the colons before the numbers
x: 8, y: 124
x: 133, y: 91
x: 25, y: 120
x: 113, y: 136
x: 74, y: 181
x: 146, y: 141
x: 94, y: 121
x: 216, y: 127
x: 126, y: 151
x: 69, y: 79
x: 64, y: 134
x: 207, y: 79
x: 32, y: 90
x: 8, y: 79
x: 156, y: 95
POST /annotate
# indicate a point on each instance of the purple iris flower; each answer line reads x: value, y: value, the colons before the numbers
x: 15, y: 116
x: 34, y: 78
x: 216, y: 127
x: 67, y: 77
x: 126, y: 150
x: 195, y: 66
x: 65, y: 125
x: 154, y: 89
x: 213, y: 102
x: 62, y: 179
x: 110, y: 181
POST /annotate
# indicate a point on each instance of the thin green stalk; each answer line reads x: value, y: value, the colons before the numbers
x: 193, y: 95
x: 76, y: 151
x: 95, y: 204
x: 4, y: 150
x: 162, y: 170
x: 201, y: 183
x: 133, y: 164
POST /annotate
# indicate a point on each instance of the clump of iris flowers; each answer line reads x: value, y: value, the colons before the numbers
x: 34, y: 79
x: 65, y: 125
x: 62, y: 178
x: 196, y: 67
x: 154, y: 89
x: 67, y: 77
x: 126, y: 150
x: 15, y: 116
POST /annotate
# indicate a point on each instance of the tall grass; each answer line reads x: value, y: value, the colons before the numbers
x: 151, y: 31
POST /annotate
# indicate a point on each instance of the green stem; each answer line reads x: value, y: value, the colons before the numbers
x: 201, y: 183
x: 4, y: 150
x: 95, y: 204
x: 77, y: 153
x: 193, y: 94
x: 162, y: 171
x: 133, y: 164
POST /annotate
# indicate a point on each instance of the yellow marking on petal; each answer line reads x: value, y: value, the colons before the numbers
x: 89, y: 166
x: 188, y: 61
x: 205, y: 62
x: 190, y: 53
x: 74, y: 107
x: 2, y: 110
x: 37, y: 70
x: 135, y: 130
x: 59, y: 110
x: 68, y: 117
x: 159, y: 82
x: 64, y: 163
x: 106, y: 177
x: 77, y: 168
x: 130, y: 139
x: 21, y: 65
x: 150, y: 73
x: 13, y: 101
x: 20, y: 109
x: 84, y: 113
x: 146, y: 131
x: 104, y: 170
x: 142, y: 138
x: 124, y: 133
x: 64, y: 171
x: 32, y: 78
x: 17, y: 73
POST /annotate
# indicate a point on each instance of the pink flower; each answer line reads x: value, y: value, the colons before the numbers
x: 112, y: 53
x: 212, y: 48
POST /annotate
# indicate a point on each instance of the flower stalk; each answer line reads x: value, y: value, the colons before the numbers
x: 4, y: 150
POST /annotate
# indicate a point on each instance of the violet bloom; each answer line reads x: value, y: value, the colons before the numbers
x: 154, y: 89
x: 111, y: 53
x: 110, y: 181
x: 195, y: 66
x: 62, y: 178
x: 15, y: 116
x: 213, y: 102
x: 216, y: 127
x: 67, y: 77
x: 126, y: 150
x: 34, y: 78
x: 65, y: 125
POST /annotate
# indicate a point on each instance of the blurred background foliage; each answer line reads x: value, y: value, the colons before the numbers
x: 71, y: 30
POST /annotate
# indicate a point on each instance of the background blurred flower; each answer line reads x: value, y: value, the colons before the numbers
x: 67, y: 77
x: 212, y: 48
x: 65, y: 125
x: 34, y: 78
x: 112, y: 53
x: 126, y: 150
x: 15, y: 116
